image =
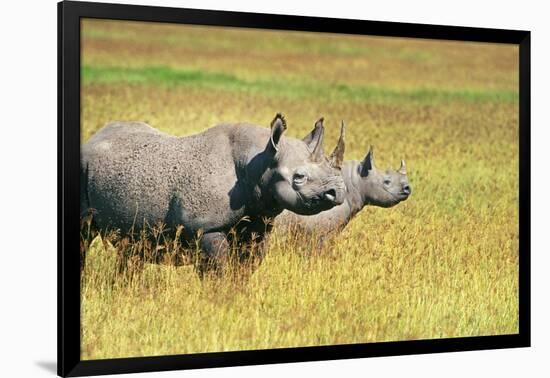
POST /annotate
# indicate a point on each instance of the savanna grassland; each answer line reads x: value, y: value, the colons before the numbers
x: 444, y: 263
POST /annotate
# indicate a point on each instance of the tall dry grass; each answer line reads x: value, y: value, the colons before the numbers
x: 442, y: 264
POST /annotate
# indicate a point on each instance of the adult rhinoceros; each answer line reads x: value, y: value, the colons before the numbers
x: 231, y: 179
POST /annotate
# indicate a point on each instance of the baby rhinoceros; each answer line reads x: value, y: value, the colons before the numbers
x: 365, y: 185
x: 227, y: 182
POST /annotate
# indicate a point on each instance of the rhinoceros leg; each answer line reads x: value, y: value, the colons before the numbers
x: 255, y: 240
x: 255, y: 252
x: 215, y: 253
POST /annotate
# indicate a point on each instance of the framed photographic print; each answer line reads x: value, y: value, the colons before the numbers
x: 239, y: 188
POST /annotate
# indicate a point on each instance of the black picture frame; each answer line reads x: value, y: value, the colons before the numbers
x: 69, y: 15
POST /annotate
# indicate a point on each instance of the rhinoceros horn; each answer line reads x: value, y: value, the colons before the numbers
x: 337, y: 156
x: 402, y: 168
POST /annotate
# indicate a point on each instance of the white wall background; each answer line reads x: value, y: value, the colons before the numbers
x: 28, y: 186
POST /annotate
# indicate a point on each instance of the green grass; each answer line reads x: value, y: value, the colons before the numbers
x: 166, y: 76
x: 444, y: 263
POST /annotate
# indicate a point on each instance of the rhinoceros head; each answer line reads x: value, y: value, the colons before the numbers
x: 382, y: 188
x: 301, y: 178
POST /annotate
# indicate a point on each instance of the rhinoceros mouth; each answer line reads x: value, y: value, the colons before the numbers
x: 331, y: 195
x: 398, y: 196
x: 317, y: 203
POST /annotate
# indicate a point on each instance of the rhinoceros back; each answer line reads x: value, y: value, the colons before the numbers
x: 136, y: 176
x: 326, y: 222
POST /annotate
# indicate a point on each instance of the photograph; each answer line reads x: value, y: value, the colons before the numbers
x: 247, y: 189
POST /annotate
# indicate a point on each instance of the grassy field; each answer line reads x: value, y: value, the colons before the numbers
x: 442, y: 264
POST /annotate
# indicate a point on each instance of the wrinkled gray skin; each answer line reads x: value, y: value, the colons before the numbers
x: 133, y: 175
x: 365, y: 185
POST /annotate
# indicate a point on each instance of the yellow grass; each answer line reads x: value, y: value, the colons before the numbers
x: 442, y: 264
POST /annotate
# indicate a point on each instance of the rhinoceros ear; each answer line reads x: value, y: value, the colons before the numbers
x: 337, y: 156
x: 368, y: 163
x: 312, y: 138
x: 318, y: 154
x: 278, y: 127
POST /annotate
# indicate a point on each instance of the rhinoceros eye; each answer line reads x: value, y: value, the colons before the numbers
x: 299, y: 178
x: 387, y: 182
